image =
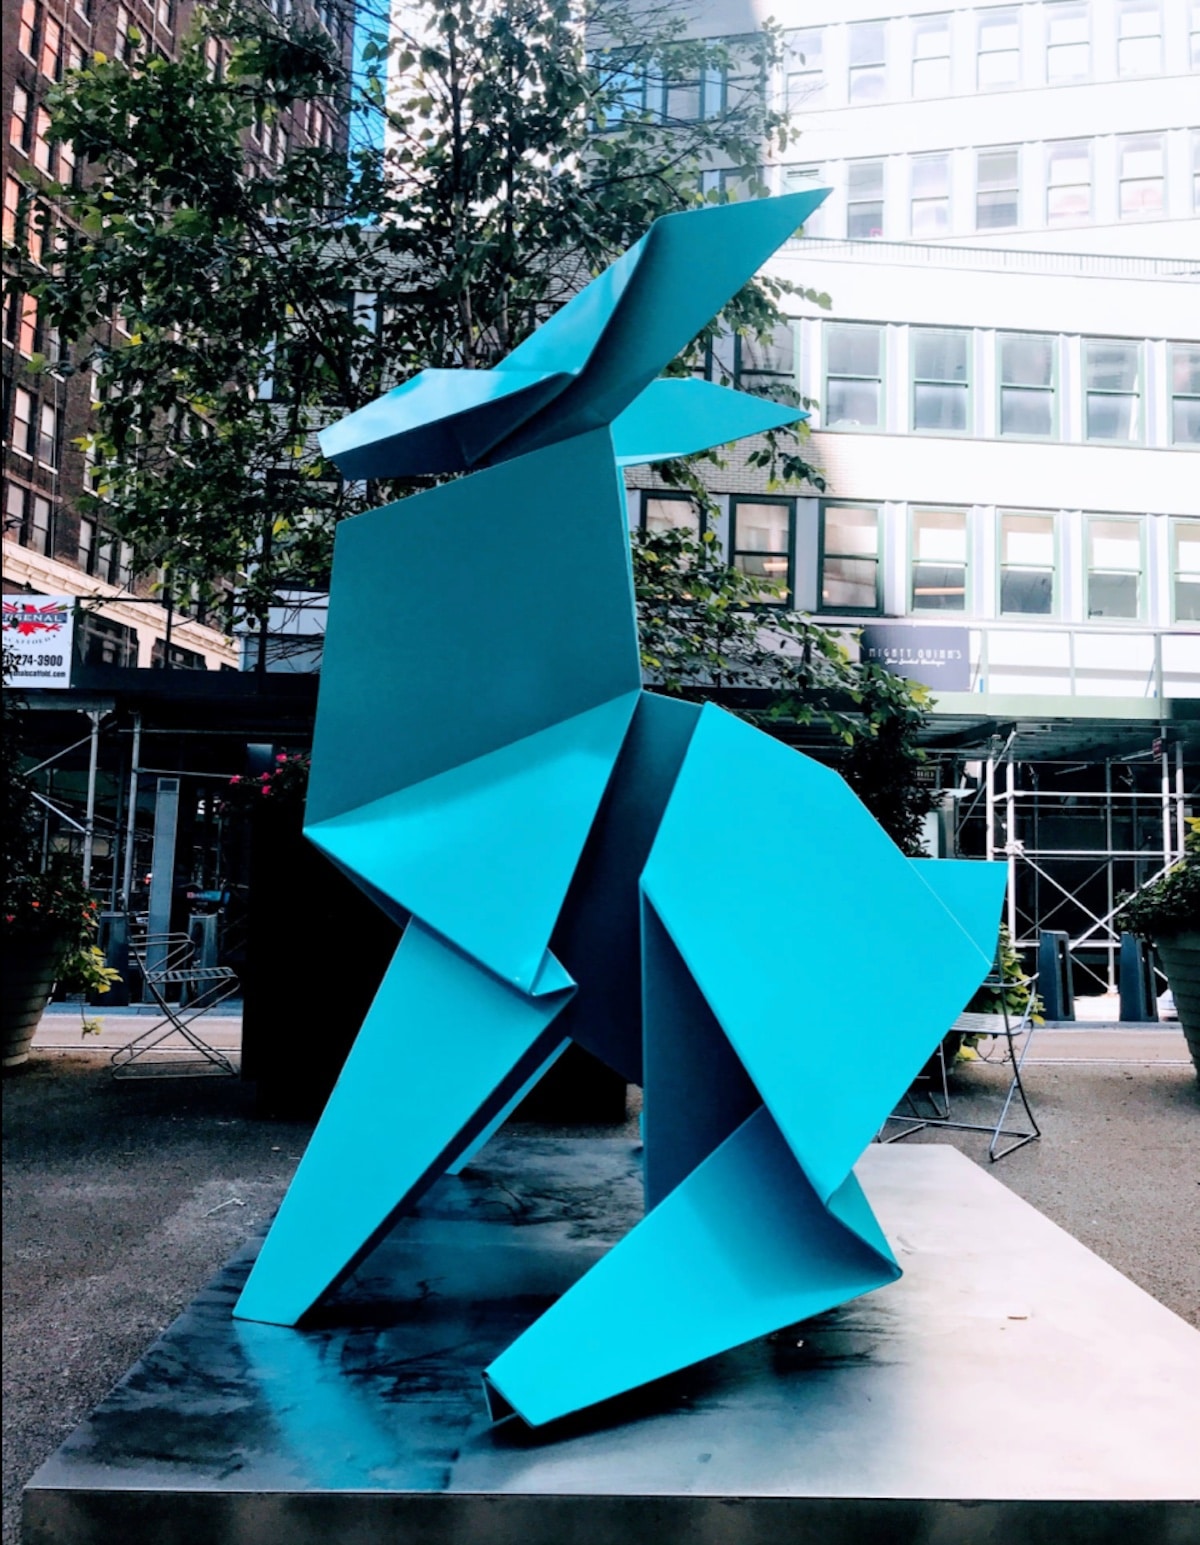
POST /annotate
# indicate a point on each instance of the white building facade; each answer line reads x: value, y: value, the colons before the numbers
x: 1006, y: 388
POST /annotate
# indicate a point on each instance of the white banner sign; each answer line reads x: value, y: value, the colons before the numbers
x: 39, y: 633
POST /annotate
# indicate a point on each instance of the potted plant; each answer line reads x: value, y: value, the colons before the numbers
x: 1167, y: 913
x: 48, y: 920
x: 47, y: 939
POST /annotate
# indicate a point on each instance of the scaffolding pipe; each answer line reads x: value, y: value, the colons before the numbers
x: 1108, y: 868
x: 89, y: 820
x: 1179, y: 821
x: 991, y: 807
x: 1010, y: 844
x: 131, y: 822
x: 1165, y: 766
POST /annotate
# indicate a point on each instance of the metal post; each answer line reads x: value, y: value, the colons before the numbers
x: 1166, y: 805
x: 1011, y: 845
x: 162, y: 870
x: 1179, y: 822
x: 990, y: 806
x: 89, y: 820
x: 131, y: 824
x: 1109, y: 862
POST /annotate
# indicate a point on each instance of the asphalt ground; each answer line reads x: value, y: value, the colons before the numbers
x: 121, y: 1198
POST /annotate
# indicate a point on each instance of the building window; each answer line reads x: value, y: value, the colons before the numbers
x: 930, y: 204
x: 27, y: 325
x: 1141, y: 177
x: 41, y: 524
x: 1068, y: 42
x: 763, y: 542
x: 868, y: 54
x: 1139, y: 38
x: 941, y: 379
x: 51, y: 57
x: 1196, y: 171
x: 27, y: 29
x: 14, y: 512
x: 48, y: 435
x: 803, y: 179
x: 1114, y: 568
x: 1069, y: 182
x: 768, y: 359
x: 105, y: 642
x: 931, y: 57
x: 12, y: 208
x: 1027, y: 384
x: 22, y: 430
x: 1185, y: 393
x: 853, y: 377
x: 864, y: 198
x: 849, y: 559
x: 1186, y: 566
x: 670, y: 512
x: 86, y: 550
x: 999, y: 50
x: 66, y: 163
x: 43, y: 147
x: 997, y: 189
x: 180, y: 659
x: 1026, y: 565
x: 1112, y: 381
x: 939, y: 561
x: 803, y: 68
x: 1194, y: 36
x: 19, y: 123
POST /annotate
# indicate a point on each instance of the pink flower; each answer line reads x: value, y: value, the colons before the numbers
x: 235, y: 779
x: 266, y: 791
x: 281, y: 758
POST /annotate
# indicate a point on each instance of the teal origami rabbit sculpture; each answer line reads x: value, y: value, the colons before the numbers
x: 489, y: 769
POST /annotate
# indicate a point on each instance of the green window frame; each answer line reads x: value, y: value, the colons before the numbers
x: 1112, y: 390
x: 1115, y: 561
x: 1027, y: 386
x: 1184, y: 378
x: 1028, y: 566
x: 941, y: 385
x: 763, y: 546
x: 776, y: 359
x: 658, y: 509
x: 853, y: 397
x: 1185, y: 570
x: 848, y: 565
x: 939, y: 561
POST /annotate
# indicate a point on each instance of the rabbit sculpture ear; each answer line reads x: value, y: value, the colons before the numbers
x: 588, y: 364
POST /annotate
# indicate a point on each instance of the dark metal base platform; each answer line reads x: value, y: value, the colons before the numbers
x: 1011, y: 1387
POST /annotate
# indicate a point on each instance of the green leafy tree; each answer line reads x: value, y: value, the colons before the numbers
x: 708, y: 629
x: 260, y: 296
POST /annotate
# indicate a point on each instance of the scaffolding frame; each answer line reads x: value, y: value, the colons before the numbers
x: 1011, y: 820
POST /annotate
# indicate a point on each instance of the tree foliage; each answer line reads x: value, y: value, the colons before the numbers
x: 707, y: 626
x: 258, y: 294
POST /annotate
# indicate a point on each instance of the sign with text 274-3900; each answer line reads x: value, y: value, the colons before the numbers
x: 38, y: 639
x: 938, y: 657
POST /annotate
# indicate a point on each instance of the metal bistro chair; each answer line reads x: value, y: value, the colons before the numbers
x: 1005, y: 1033
x: 168, y: 961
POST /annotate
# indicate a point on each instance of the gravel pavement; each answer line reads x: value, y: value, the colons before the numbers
x: 122, y: 1198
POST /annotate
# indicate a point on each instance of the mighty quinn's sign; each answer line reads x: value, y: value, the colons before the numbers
x: 39, y: 635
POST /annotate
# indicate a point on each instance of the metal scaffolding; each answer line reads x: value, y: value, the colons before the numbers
x: 1077, y: 835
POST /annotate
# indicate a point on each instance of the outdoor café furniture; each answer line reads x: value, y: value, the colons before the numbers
x: 184, y: 990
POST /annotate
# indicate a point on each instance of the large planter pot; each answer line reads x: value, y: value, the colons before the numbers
x: 1180, y: 956
x: 30, y: 966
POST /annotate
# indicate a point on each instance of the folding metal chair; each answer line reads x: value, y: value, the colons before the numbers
x: 1005, y: 1033
x: 169, y: 966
